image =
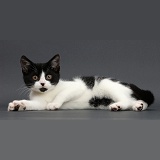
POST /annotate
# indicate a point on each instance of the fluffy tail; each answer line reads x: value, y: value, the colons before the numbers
x: 139, y: 94
x: 148, y: 97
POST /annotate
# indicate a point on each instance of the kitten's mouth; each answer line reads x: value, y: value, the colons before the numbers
x: 43, y: 89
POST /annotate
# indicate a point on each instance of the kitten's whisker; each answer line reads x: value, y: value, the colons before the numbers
x: 23, y: 90
x: 26, y: 93
x: 23, y: 85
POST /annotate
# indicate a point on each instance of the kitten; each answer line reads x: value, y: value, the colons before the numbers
x: 49, y: 92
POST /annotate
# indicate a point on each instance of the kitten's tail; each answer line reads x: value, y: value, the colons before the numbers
x: 139, y: 94
x: 148, y: 97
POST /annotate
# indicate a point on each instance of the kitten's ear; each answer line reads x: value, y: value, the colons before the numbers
x: 25, y: 63
x: 55, y: 63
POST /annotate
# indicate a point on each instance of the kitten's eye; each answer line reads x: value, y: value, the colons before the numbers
x: 49, y: 77
x: 35, y: 78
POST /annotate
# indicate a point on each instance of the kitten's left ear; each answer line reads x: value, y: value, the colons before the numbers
x: 55, y: 63
x: 25, y: 63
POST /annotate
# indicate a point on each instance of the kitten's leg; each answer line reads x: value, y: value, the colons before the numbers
x: 63, y: 97
x: 140, y: 106
x: 26, y: 105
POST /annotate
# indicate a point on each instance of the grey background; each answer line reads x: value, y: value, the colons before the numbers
x: 107, y: 140
x: 133, y: 61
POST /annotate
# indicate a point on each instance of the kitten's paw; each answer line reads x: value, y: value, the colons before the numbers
x: 16, y: 106
x: 53, y: 106
x: 115, y: 107
x: 140, y: 106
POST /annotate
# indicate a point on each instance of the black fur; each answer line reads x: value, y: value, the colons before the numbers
x: 96, y: 102
x: 89, y: 81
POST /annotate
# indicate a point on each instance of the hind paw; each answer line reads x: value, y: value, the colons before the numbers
x: 115, y: 107
x: 140, y: 106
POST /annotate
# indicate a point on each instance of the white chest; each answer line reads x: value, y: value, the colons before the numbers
x: 47, y: 97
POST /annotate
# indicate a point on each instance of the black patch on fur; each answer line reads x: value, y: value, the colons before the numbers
x: 89, y: 81
x: 96, y: 102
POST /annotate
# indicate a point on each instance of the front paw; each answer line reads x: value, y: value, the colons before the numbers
x: 53, y: 106
x: 16, y: 106
x: 115, y: 107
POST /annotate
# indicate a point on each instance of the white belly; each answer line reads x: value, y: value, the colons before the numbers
x: 80, y: 103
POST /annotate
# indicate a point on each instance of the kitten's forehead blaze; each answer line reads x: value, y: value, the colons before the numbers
x: 42, y: 78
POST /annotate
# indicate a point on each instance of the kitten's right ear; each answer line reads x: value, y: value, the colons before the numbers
x: 25, y: 63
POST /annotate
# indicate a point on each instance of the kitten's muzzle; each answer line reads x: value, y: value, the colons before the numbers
x: 43, y: 89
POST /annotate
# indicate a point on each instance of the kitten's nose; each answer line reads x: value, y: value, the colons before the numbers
x: 43, y: 84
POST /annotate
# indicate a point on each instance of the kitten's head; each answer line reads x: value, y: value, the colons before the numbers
x: 41, y: 77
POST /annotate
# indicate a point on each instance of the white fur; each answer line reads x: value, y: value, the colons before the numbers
x: 76, y: 95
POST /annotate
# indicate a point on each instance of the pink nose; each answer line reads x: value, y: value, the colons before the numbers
x: 43, y: 84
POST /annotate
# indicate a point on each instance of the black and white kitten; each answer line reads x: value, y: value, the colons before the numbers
x: 49, y: 92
